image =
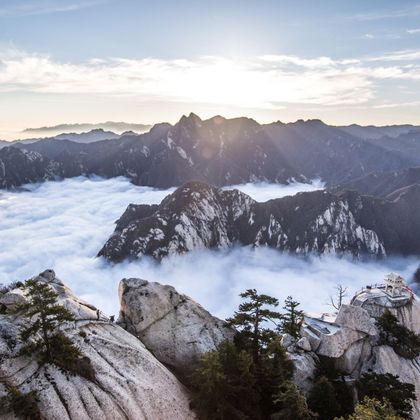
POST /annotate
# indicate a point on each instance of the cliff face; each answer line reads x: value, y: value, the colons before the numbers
x: 351, y: 338
x: 130, y: 382
x: 198, y: 215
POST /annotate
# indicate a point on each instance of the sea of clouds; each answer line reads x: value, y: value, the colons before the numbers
x: 63, y: 225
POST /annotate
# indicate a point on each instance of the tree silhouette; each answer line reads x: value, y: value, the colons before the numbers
x: 250, y: 318
x: 291, y: 321
x: 337, y: 300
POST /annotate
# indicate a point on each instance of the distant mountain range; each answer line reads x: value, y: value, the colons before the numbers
x: 97, y: 134
x: 198, y: 215
x: 116, y: 127
x: 218, y: 151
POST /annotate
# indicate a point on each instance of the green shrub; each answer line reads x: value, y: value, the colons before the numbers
x: 386, y: 386
x: 405, y: 342
x: 372, y: 409
x: 23, y: 405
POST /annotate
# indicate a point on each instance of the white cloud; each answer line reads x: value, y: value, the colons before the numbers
x: 62, y: 225
x: 403, y: 55
x: 266, y: 82
x: 413, y: 31
x: 213, y: 80
x: 262, y: 191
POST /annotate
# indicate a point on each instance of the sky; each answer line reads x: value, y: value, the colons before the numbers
x: 67, y: 61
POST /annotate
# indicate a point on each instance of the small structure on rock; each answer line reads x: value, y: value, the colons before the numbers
x: 351, y: 336
x: 392, y: 293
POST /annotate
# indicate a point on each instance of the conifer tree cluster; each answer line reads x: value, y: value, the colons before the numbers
x: 251, y: 378
x: 42, y: 334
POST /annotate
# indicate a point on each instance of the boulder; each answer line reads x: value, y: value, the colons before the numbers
x: 13, y: 300
x: 304, y: 344
x: 313, y: 338
x: 130, y: 382
x: 335, y: 344
x: 352, y: 360
x: 356, y: 318
x: 287, y: 340
x: 176, y: 329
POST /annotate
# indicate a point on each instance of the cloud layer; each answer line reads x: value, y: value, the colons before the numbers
x: 269, y: 81
x: 62, y: 225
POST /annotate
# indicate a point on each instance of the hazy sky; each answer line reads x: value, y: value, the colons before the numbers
x: 149, y: 61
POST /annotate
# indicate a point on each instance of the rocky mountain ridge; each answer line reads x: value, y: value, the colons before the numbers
x: 384, y: 184
x: 198, y: 215
x: 224, y: 151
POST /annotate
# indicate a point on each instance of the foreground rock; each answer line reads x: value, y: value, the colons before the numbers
x: 130, y: 382
x: 177, y: 330
x: 351, y: 338
x: 198, y: 215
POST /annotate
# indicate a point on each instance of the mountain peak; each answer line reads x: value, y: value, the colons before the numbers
x: 192, y: 119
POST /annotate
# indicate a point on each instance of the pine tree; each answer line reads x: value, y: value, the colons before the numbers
x: 49, y: 315
x: 387, y: 386
x: 291, y: 321
x: 48, y: 342
x: 250, y: 320
x: 322, y: 399
x: 292, y: 404
x: 224, y: 385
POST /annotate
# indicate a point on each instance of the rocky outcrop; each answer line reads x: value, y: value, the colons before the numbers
x: 198, y: 215
x: 18, y: 167
x: 177, y: 330
x: 130, y: 382
x: 351, y: 339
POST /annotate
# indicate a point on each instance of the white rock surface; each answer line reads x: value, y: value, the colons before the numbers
x: 130, y: 382
x: 176, y: 329
x: 335, y: 344
x: 287, y: 340
x: 304, y: 344
x: 305, y: 365
x: 356, y: 318
x: 13, y: 299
